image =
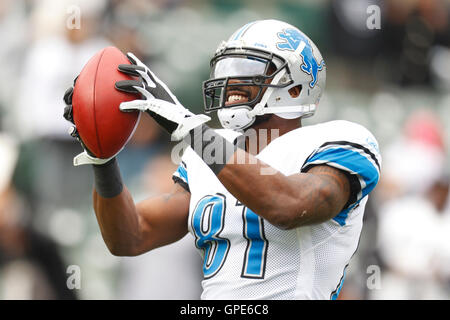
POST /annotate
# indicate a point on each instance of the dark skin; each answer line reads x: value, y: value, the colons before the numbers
x: 287, y: 202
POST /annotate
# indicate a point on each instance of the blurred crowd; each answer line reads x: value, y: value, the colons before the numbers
x: 393, y: 78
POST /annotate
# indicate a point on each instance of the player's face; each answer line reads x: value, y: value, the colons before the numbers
x: 242, y: 94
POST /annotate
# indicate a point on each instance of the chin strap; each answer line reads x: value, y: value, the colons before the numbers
x: 305, y: 109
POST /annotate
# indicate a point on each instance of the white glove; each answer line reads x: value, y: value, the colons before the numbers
x: 176, y: 119
x: 85, y: 157
x: 157, y: 100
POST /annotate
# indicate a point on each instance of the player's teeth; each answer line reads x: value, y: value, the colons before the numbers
x: 234, y: 97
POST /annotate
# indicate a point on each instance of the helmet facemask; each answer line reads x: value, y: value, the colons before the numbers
x: 234, y: 71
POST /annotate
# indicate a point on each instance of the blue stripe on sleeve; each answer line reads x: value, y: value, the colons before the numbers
x: 353, y: 161
x: 182, y: 173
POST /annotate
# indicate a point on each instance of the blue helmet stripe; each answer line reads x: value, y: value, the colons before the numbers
x: 241, y: 31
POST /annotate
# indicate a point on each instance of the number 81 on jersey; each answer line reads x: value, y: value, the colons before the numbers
x: 208, y: 221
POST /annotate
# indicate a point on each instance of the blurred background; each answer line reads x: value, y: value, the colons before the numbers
x: 394, y: 80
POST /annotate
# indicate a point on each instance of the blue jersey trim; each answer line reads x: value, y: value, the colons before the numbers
x: 335, y: 295
x: 342, y: 217
x: 353, y: 161
x: 182, y: 173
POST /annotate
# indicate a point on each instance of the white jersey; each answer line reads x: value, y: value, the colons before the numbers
x: 246, y: 257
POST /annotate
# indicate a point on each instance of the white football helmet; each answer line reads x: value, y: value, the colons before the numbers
x: 274, y: 56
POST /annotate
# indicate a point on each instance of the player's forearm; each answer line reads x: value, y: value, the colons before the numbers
x: 115, y: 210
x: 130, y: 228
x: 266, y: 195
x: 119, y: 223
x: 282, y: 200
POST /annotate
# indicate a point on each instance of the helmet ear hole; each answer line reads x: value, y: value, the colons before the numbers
x: 295, y: 91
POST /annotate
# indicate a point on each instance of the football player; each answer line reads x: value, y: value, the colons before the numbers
x: 277, y: 221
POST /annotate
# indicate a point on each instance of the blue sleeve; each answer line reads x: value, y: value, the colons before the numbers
x: 180, y: 176
x: 362, y: 162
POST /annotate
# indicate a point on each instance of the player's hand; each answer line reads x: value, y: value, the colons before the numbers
x: 86, y: 156
x: 157, y: 100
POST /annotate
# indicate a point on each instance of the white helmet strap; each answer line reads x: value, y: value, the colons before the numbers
x: 302, y: 109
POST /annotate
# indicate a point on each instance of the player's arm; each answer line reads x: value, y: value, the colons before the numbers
x: 130, y: 229
x: 286, y: 201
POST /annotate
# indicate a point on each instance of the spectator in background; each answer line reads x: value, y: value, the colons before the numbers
x: 413, y: 30
x: 348, y: 24
x: 65, y: 36
x: 416, y: 159
x: 413, y: 228
x: 413, y: 244
x: 30, y: 264
x: 13, y: 26
x: 408, y: 49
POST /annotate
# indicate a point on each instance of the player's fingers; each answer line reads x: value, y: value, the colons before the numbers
x: 131, y: 57
x: 149, y: 80
x: 155, y: 79
x: 143, y: 70
x: 68, y: 96
x: 72, y: 131
x: 68, y: 114
x: 144, y: 92
x: 135, y: 105
x: 135, y: 60
x: 128, y: 85
x: 130, y: 69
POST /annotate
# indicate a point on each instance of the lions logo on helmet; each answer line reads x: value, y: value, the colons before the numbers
x: 295, y: 40
x: 274, y: 57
